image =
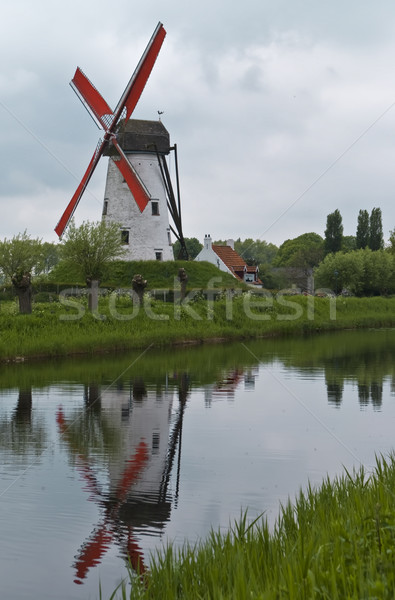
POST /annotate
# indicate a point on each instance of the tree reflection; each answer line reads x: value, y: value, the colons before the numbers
x: 335, y: 392
x: 363, y: 394
x: 376, y: 393
x: 23, y: 434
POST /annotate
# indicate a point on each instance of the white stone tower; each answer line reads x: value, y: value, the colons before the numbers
x: 146, y: 235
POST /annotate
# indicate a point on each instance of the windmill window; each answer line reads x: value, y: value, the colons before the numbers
x: 125, y: 237
x: 105, y: 207
x: 155, y: 442
x: 155, y: 208
x: 158, y: 255
x: 168, y: 237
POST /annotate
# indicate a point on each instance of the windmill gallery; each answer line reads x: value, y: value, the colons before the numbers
x: 139, y: 194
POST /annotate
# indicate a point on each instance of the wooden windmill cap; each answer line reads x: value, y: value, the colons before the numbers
x: 141, y: 136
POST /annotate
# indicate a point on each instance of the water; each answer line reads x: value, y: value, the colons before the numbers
x: 117, y: 456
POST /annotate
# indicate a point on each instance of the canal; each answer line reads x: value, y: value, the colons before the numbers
x: 116, y: 456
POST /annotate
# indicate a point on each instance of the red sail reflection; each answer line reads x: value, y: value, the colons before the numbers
x: 98, y: 543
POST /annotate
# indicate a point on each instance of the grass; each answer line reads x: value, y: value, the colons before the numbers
x: 334, y: 542
x: 55, y: 329
x: 159, y: 274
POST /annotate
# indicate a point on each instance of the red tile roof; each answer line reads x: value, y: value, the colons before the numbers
x: 229, y: 257
x: 234, y: 262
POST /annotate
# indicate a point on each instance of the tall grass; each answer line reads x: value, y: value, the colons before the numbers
x: 334, y: 542
x: 46, y: 333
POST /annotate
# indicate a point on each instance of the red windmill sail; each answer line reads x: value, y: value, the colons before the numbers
x: 109, y: 121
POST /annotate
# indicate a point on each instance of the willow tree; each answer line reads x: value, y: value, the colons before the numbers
x: 88, y: 250
x: 19, y: 257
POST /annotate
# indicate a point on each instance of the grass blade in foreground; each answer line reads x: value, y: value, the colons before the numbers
x: 334, y: 542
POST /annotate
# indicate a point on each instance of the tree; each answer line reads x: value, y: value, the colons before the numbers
x: 49, y: 258
x: 378, y: 273
x: 304, y: 251
x: 333, y: 232
x: 391, y: 247
x: 256, y: 252
x: 139, y: 284
x: 362, y: 237
x: 348, y: 243
x: 363, y: 272
x: 18, y: 259
x: 193, y: 247
x: 341, y: 270
x: 376, y: 240
x: 88, y: 250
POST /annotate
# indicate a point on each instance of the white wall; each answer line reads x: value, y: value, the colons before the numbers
x: 207, y: 254
x: 148, y: 234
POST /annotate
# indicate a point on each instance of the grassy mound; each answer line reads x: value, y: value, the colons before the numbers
x: 160, y: 275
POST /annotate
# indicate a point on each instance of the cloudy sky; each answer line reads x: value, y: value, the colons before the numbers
x: 282, y: 110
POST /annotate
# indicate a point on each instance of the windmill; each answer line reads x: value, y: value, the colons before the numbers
x: 138, y: 188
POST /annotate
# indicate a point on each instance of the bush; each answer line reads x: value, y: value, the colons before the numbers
x: 362, y: 272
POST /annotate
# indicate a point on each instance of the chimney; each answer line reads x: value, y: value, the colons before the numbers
x: 207, y: 241
x: 231, y: 244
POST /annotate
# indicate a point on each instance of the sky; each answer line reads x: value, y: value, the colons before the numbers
x: 282, y: 110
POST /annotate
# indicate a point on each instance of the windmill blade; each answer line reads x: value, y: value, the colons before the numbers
x: 135, y: 554
x: 139, y: 78
x: 134, y: 466
x: 82, y: 463
x: 72, y: 205
x: 91, y: 98
x: 136, y: 186
x: 93, y: 550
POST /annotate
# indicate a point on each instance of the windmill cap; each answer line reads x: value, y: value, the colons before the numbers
x: 142, y: 136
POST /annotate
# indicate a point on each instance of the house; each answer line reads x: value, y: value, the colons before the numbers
x: 226, y: 259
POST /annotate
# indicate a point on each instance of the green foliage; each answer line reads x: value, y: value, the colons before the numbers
x: 256, y: 252
x: 193, y: 247
x: 304, y: 251
x: 349, y: 243
x: 87, y: 250
x: 48, y: 259
x: 391, y: 247
x: 362, y: 236
x: 20, y: 254
x: 333, y: 232
x: 272, y: 279
x: 336, y: 541
x: 362, y: 272
x: 376, y: 240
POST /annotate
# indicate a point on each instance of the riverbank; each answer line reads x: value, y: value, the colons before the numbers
x: 333, y: 542
x: 66, y: 328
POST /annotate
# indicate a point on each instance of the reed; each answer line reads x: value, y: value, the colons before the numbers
x: 333, y: 542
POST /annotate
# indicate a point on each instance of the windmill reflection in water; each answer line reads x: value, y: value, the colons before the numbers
x: 148, y: 433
